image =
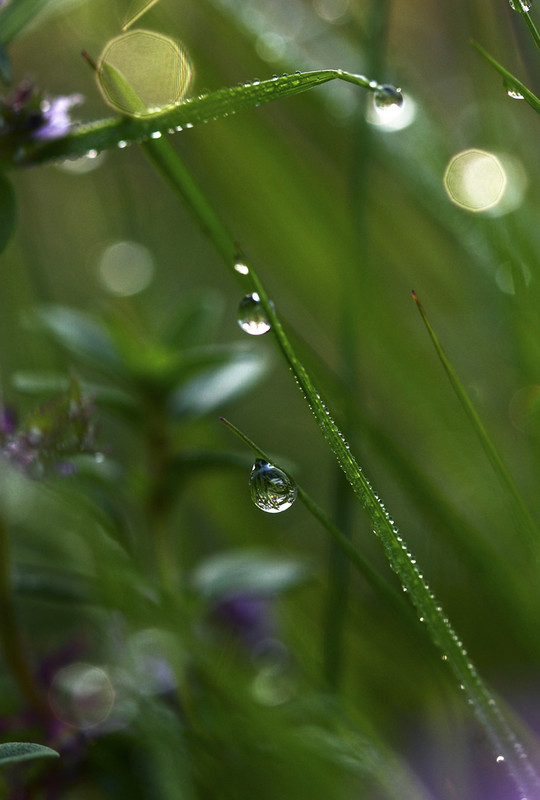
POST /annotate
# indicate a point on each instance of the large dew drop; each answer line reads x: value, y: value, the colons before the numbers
x: 271, y: 489
x: 252, y: 316
x: 520, y: 5
x: 388, y: 98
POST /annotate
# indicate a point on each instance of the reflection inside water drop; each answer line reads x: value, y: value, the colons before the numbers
x: 271, y: 489
x: 388, y: 98
x: 252, y: 316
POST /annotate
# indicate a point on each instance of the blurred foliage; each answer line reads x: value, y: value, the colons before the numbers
x: 123, y: 567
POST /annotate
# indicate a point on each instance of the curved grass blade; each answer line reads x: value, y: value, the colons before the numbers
x: 523, y: 516
x: 509, y: 79
x: 119, y: 131
x: 504, y: 740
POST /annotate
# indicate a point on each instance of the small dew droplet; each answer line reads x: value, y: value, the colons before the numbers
x: 242, y: 268
x: 520, y: 5
x: 252, y: 316
x: 121, y: 144
x: 156, y: 135
x: 387, y: 97
x: 499, y: 759
x: 514, y: 94
x: 271, y: 489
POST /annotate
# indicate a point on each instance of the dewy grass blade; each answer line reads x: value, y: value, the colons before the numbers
x: 523, y: 517
x: 119, y: 131
x: 509, y: 79
x: 385, y: 592
x: 505, y: 742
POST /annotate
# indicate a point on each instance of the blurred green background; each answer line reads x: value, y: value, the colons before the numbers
x: 341, y: 218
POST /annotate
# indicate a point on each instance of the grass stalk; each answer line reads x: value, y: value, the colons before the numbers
x: 523, y: 518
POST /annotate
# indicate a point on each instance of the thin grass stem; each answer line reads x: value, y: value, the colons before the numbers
x: 523, y: 517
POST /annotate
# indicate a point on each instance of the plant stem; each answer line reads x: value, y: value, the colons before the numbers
x: 524, y: 518
x: 10, y: 636
x: 502, y: 736
x: 533, y: 29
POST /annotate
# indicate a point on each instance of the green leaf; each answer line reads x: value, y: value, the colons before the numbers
x: 244, y: 571
x: 79, y: 334
x: 215, y: 387
x: 20, y: 14
x: 8, y: 211
x: 214, y: 105
x: 13, y: 752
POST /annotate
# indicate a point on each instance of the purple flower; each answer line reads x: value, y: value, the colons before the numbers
x: 249, y: 617
x: 29, y: 114
x: 51, y: 436
x: 56, y: 121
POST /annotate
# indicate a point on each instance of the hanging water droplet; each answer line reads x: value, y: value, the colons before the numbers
x: 121, y: 144
x: 520, y: 5
x: 242, y: 268
x: 252, y: 316
x: 512, y: 92
x: 271, y: 489
x: 388, y: 98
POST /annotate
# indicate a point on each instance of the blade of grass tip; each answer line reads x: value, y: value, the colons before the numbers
x: 371, y: 576
x: 503, y: 738
x: 510, y: 80
x: 524, y: 520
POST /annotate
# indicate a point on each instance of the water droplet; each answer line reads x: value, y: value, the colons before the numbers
x: 520, y: 5
x: 156, y: 135
x: 514, y: 94
x: 252, y: 316
x: 499, y: 759
x: 387, y: 98
x: 242, y: 268
x: 271, y: 489
x: 121, y: 144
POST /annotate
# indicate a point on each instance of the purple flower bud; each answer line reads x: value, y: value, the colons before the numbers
x: 56, y: 121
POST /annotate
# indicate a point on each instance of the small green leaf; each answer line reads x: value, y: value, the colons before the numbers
x: 8, y: 211
x: 79, y: 334
x: 245, y: 571
x: 213, y: 388
x: 13, y: 752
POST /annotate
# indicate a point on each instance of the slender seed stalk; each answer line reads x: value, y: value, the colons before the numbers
x: 523, y: 519
x: 10, y: 635
x: 503, y: 738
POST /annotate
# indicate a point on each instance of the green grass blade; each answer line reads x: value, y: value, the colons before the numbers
x: 504, y: 741
x: 509, y: 79
x: 118, y: 131
x: 524, y: 520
